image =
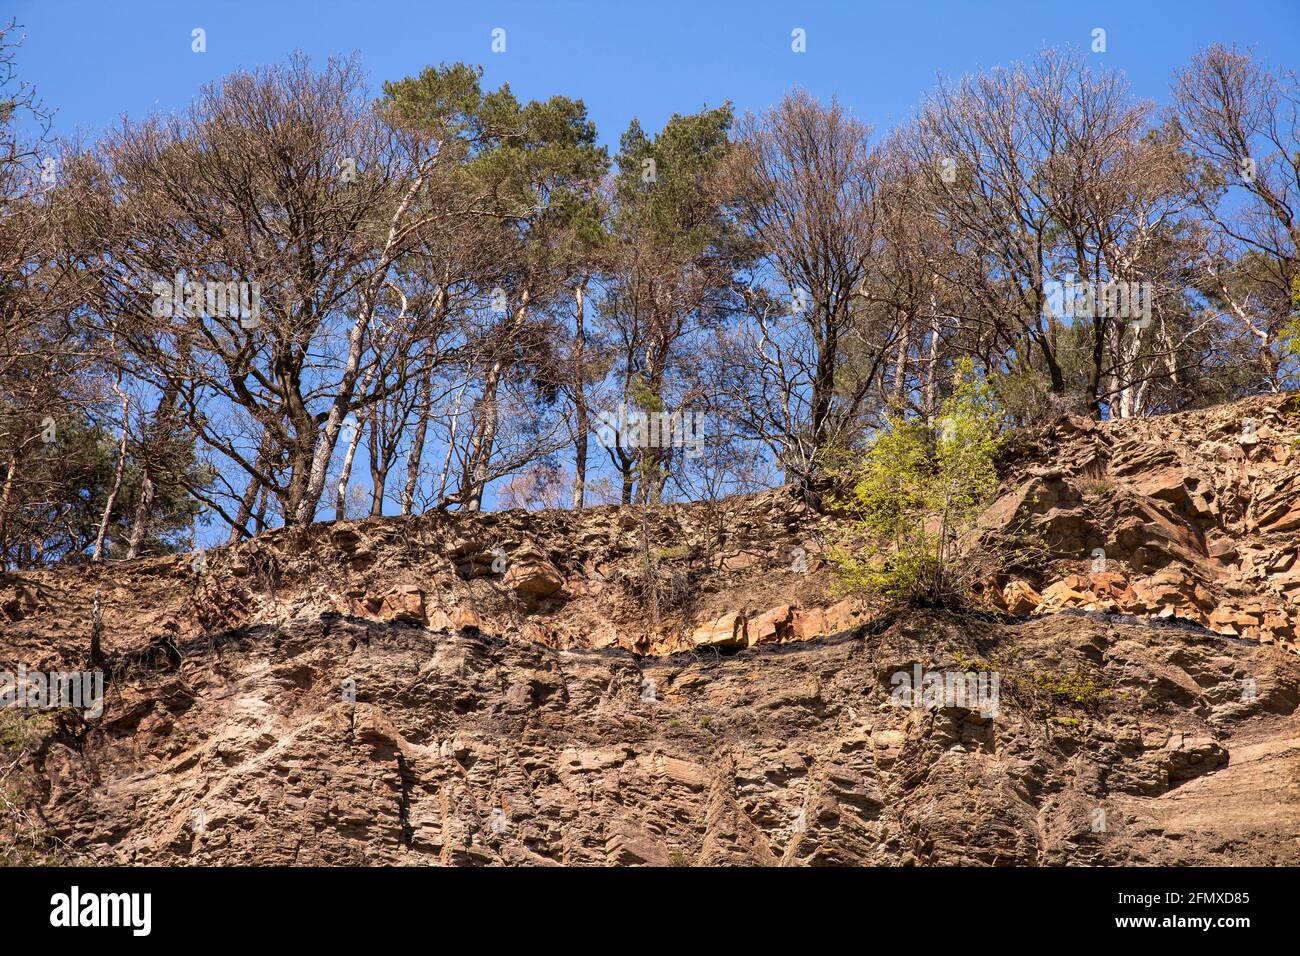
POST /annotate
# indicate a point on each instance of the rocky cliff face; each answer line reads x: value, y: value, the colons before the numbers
x: 520, y: 688
x: 1193, y: 517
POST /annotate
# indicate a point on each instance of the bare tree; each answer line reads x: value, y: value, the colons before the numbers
x: 804, y: 182
x: 1239, y: 125
x: 288, y: 181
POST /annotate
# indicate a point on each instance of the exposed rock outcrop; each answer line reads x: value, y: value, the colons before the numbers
x: 1181, y: 747
x: 1194, y: 516
x: 687, y: 686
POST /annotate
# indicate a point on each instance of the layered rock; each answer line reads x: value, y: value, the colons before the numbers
x: 1194, y: 516
x: 686, y: 685
x: 345, y: 741
x: 651, y: 582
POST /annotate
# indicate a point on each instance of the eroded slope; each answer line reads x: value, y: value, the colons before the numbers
x: 518, y: 688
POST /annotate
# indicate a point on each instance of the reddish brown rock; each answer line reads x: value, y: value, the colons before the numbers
x: 403, y: 603
x: 726, y: 631
x: 533, y: 575
x: 1019, y: 597
x: 771, y: 626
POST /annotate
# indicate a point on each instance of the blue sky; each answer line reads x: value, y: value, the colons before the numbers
x: 625, y: 58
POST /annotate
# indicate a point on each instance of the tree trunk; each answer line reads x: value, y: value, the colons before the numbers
x: 259, y: 521
x: 627, y: 486
x: 249, y: 498
x: 932, y: 363
x: 416, y: 453
x: 486, y: 435
x: 580, y: 401
x: 6, y: 496
x: 415, y: 456
x: 345, y: 475
x: 1095, y: 369
x: 476, y: 463
x: 900, y: 367
x: 246, y: 503
x: 451, y: 443
x: 380, y: 463
x: 304, y: 511
x: 143, y: 508
x: 823, y: 384
x: 98, y: 553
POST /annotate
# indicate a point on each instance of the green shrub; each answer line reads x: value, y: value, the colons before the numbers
x: 1071, y: 689
x: 915, y: 497
x: 1024, y: 395
x: 673, y: 553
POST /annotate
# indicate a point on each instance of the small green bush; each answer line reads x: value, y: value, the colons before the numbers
x: 1073, y: 688
x: 915, y: 497
x: 673, y: 553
